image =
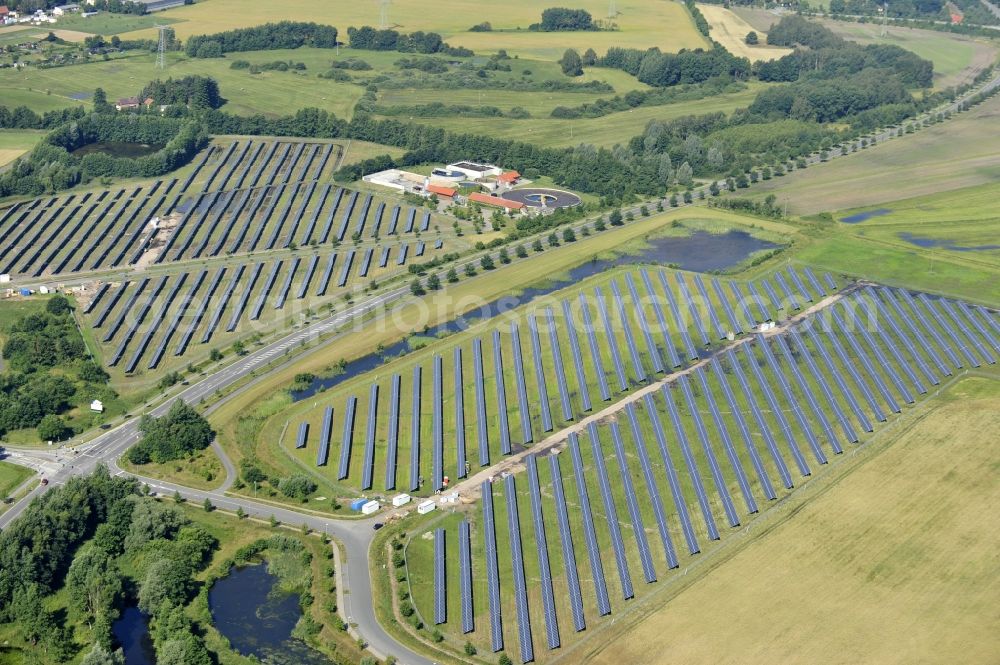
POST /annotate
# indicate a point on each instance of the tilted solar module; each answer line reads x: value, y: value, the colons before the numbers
x: 299, y: 213
x: 632, y: 504
x: 543, y: 391
x: 882, y: 296
x: 126, y: 309
x: 874, y: 308
x: 611, y: 339
x: 689, y: 462
x: 258, y: 306
x: 440, y: 578
x: 465, y: 577
x: 776, y: 303
x: 176, y: 320
x: 693, y: 308
x: 956, y: 318
x: 393, y: 221
x: 568, y: 550
x: 425, y: 224
x: 692, y: 352
x: 849, y: 433
x: 797, y: 281
x: 287, y: 285
x: 880, y: 358
x: 501, y: 395
x: 675, y: 360
x: 680, y: 503
x: 743, y: 304
x: 482, y: 437
x: 654, y: 353
x: 637, y: 365
x: 331, y: 213
x: 420, y: 248
x: 567, y: 407
x: 307, y: 278
x: 411, y: 216
x: 401, y: 256
x: 595, y: 349
x: 110, y: 304
x: 437, y: 426
x: 366, y: 262
x: 363, y: 216
x: 459, y: 415
x: 392, y: 438
x: 154, y: 324
x: 383, y: 260
x: 377, y: 222
x: 415, y: 430
x: 581, y: 376
x: 764, y: 316
x: 839, y: 380
x: 610, y: 513
x: 968, y: 313
x: 542, y: 549
x: 712, y: 317
x: 101, y: 290
x: 347, y: 440
x: 790, y: 297
x: 706, y: 445
x: 522, y: 389
x: 651, y: 489
x: 737, y: 327
x: 244, y: 297
x: 817, y: 287
x: 492, y: 567
x: 220, y: 307
x: 368, y: 468
x: 303, y: 436
x: 324, y: 281
x: 891, y: 296
x: 352, y: 201
x: 345, y: 272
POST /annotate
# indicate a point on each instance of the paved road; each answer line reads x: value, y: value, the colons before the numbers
x: 356, y: 536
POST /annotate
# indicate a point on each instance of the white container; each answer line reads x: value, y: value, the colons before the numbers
x: 370, y: 507
x: 400, y: 500
x: 425, y: 507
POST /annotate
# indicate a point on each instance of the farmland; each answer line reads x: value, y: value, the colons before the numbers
x: 730, y: 30
x: 641, y: 23
x: 921, y: 589
x: 14, y: 143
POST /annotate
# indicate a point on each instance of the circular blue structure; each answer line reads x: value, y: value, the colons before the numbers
x: 542, y: 197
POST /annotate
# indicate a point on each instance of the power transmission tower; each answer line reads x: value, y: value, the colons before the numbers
x: 161, y: 48
x: 612, y: 9
x: 383, y: 20
x: 885, y: 19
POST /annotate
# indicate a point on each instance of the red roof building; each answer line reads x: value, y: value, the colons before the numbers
x: 442, y: 191
x: 495, y: 201
x: 4, y: 12
x: 510, y: 177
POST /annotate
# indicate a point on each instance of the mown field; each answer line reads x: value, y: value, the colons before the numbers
x: 16, y: 142
x: 894, y: 563
x: 730, y: 29
x: 12, y: 476
x: 641, y: 23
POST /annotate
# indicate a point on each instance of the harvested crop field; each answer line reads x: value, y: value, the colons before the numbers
x: 730, y: 30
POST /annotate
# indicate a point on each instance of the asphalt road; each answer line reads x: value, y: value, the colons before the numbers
x: 355, y: 535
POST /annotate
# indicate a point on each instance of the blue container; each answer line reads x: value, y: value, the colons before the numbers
x: 25, y: 292
x: 357, y: 503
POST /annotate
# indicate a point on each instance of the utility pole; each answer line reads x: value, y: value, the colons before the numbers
x: 383, y: 21
x: 885, y: 19
x: 161, y: 47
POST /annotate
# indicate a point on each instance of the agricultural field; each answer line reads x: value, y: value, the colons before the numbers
x: 108, y: 24
x: 641, y: 23
x: 724, y: 440
x: 920, y: 590
x: 730, y: 29
x: 16, y: 142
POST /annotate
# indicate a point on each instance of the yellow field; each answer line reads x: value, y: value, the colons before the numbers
x: 895, y: 563
x: 730, y: 30
x: 7, y: 156
x: 642, y: 23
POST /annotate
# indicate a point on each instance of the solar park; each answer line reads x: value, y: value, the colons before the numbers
x: 695, y: 441
x: 251, y: 234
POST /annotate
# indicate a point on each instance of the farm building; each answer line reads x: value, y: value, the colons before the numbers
x: 475, y: 171
x: 127, y: 103
x: 495, y: 201
x: 447, y: 192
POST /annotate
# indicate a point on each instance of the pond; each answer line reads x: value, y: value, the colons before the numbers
x: 942, y: 243
x: 131, y: 631
x: 864, y: 216
x: 118, y: 149
x: 257, y: 618
x: 701, y: 252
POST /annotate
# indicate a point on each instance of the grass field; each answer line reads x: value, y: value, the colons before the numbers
x: 895, y: 563
x: 605, y: 131
x: 16, y: 142
x: 642, y: 23
x: 12, y: 476
x: 730, y: 30
x: 108, y: 24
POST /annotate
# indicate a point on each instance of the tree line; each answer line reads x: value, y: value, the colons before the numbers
x: 270, y: 36
x: 373, y: 39
x: 667, y: 69
x: 193, y: 91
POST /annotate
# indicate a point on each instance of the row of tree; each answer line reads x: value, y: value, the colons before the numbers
x: 668, y: 69
x: 193, y: 91
x: 270, y: 36
x: 373, y: 39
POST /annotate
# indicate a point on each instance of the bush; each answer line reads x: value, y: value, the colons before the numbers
x: 297, y: 487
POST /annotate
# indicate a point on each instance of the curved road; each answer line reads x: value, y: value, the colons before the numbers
x: 355, y: 535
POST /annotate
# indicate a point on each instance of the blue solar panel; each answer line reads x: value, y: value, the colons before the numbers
x: 632, y: 503
x: 368, y: 468
x: 700, y: 283
x: 425, y: 224
x: 820, y: 379
x: 706, y: 447
x: 589, y: 532
x: 126, y: 309
x: 303, y: 435
x: 283, y: 294
x: 383, y: 260
x: 672, y: 479
x: 689, y: 462
x: 522, y: 389
x: 366, y: 262
x: 542, y: 549
x: 883, y: 361
x: 696, y: 315
x: 543, y: 391
x: 348, y: 438
x: 637, y: 365
x: 268, y: 285
x: 595, y: 349
x: 660, y: 318
x: 377, y: 222
x: 567, y: 407
x: 392, y: 440
x: 324, y: 281
x: 692, y: 352
x: 776, y: 303
x: 325, y: 432
x: 220, y: 307
x: 419, y: 251
x: 839, y: 379
x: 437, y: 427
x: 611, y: 338
x: 459, y: 415
x: 328, y: 221
x: 345, y: 271
x: 764, y: 316
x: 870, y: 302
x: 501, y: 394
x: 880, y: 295
x: 517, y: 570
x: 139, y: 318
x: 351, y: 203
x: 492, y: 567
x: 410, y: 217
x: 465, y: 577
x: 926, y: 326
x: 817, y: 287
x: 743, y: 303
x: 415, y: 431
x: 241, y: 304
x: 610, y: 513
x: 393, y: 220
x: 799, y: 285
x: 568, y: 550
x: 401, y: 257
x: 790, y: 297
x: 482, y: 436
x: 176, y: 320
x: 967, y: 314
x: 583, y: 389
x: 651, y: 488
x: 762, y: 426
x: 956, y: 318
x: 734, y: 323
x: 154, y: 324
x: 440, y: 579
x: 324, y: 194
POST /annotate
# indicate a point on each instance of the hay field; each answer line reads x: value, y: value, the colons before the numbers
x: 730, y: 30
x: 962, y: 152
x: 642, y: 23
x: 895, y: 563
x: 16, y: 142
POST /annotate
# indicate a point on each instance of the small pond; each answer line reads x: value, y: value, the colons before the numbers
x: 942, y: 243
x: 865, y: 216
x: 701, y: 252
x: 257, y: 618
x: 118, y: 149
x: 131, y: 631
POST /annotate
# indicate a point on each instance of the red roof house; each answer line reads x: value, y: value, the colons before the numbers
x: 509, y: 178
x: 495, y: 201
x: 442, y: 191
